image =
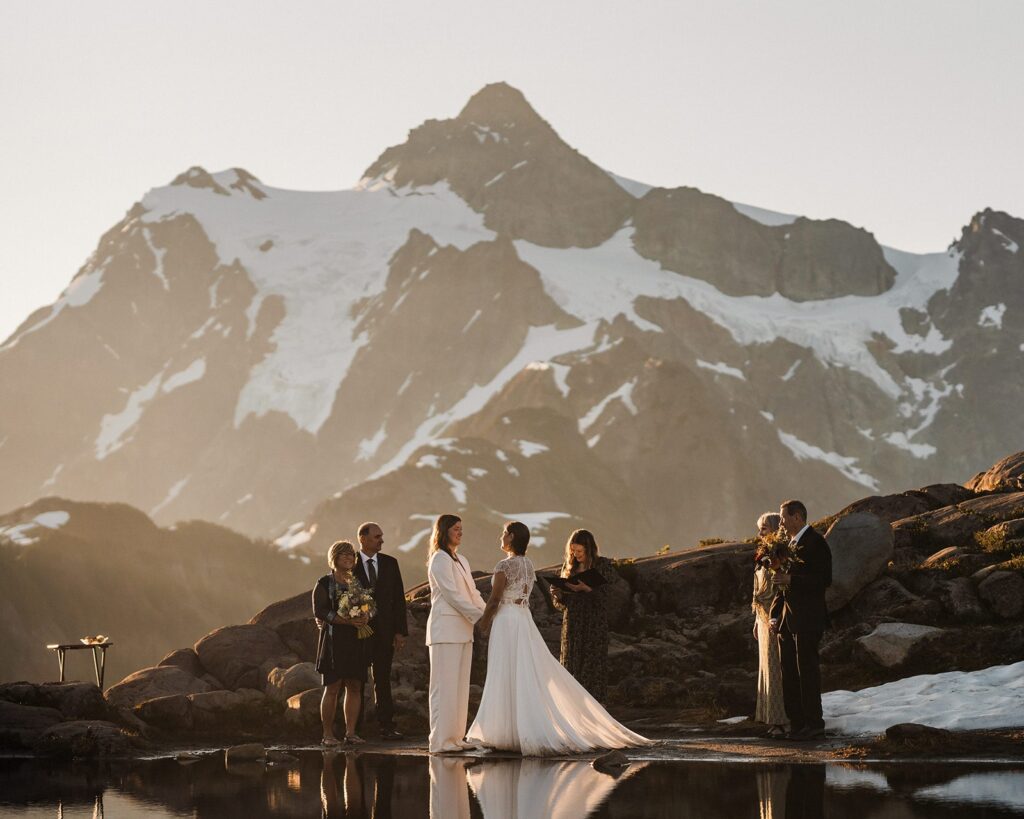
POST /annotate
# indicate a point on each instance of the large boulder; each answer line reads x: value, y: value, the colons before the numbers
x: 935, y: 561
x: 862, y: 546
x: 83, y: 738
x: 186, y: 659
x: 149, y: 683
x: 292, y: 619
x: 21, y: 725
x: 234, y: 654
x: 890, y: 643
x: 1003, y: 592
x: 1005, y: 476
x: 173, y: 713
x: 283, y: 683
x: 303, y: 710
x: 244, y: 710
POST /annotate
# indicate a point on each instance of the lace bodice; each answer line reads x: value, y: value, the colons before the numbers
x: 519, y: 577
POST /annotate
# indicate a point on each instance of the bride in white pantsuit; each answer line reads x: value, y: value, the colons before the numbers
x: 455, y: 605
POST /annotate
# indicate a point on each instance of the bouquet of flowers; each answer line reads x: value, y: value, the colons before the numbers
x: 357, y: 602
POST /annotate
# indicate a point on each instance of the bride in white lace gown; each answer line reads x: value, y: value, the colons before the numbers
x: 530, y: 703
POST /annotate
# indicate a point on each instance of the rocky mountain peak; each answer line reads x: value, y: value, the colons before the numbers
x: 223, y: 182
x: 500, y: 105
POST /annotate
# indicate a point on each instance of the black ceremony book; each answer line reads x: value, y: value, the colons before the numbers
x: 592, y: 577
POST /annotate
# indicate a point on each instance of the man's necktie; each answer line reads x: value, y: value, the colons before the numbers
x: 371, y: 572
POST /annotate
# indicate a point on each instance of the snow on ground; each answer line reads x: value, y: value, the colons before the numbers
x: 722, y: 368
x: 959, y: 700
x: 803, y: 451
x: 21, y: 533
x: 995, y: 788
x: 329, y: 250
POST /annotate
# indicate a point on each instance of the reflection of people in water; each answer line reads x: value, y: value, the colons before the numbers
x: 330, y: 796
x: 449, y: 796
x: 528, y: 788
x: 791, y: 792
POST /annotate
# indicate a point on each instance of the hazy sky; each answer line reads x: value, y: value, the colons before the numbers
x: 901, y: 116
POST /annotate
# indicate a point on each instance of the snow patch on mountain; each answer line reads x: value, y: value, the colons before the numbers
x: 543, y: 342
x: 79, y: 293
x: 992, y: 316
x: 296, y: 535
x: 327, y: 251
x: 536, y: 522
x: 604, y: 282
x: 20, y: 534
x: 722, y: 368
x: 623, y: 394
x: 1008, y: 243
x: 765, y: 217
x: 193, y: 372
x: 172, y: 493
x: 804, y: 451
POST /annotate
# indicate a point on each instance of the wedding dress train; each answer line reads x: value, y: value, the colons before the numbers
x: 530, y: 703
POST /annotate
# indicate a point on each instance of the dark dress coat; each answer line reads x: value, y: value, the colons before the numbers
x: 340, y: 654
x: 801, y: 607
x: 585, y: 633
x: 389, y: 594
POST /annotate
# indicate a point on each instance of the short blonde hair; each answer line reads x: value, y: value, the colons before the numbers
x: 337, y: 550
x: 772, y: 519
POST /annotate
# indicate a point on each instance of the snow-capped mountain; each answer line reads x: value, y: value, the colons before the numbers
x: 489, y: 323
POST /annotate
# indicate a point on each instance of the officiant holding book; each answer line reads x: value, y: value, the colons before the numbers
x: 585, y: 611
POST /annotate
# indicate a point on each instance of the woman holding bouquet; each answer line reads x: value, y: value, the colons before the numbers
x: 342, y: 609
x: 769, y: 709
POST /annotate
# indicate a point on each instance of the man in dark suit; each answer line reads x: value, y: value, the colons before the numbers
x: 380, y: 573
x: 799, y: 616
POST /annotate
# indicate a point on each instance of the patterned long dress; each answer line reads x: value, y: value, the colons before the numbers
x: 770, y: 708
x: 585, y: 633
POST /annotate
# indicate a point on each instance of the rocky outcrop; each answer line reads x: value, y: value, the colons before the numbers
x: 1005, y: 476
x: 74, y: 700
x: 21, y: 725
x: 83, y: 738
x: 283, y: 683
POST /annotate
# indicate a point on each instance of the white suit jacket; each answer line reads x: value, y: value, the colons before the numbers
x: 455, y: 603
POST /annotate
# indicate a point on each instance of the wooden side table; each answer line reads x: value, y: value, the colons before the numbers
x: 99, y: 657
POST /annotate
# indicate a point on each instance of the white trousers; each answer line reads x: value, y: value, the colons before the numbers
x: 449, y: 695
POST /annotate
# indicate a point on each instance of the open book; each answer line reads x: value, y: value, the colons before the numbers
x: 592, y: 577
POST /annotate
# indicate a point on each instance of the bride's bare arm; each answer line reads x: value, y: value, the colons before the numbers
x: 498, y: 581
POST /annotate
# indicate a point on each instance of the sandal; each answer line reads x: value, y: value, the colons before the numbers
x: 352, y: 739
x: 776, y: 731
x: 330, y: 742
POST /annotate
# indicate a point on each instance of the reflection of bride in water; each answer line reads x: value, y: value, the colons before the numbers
x: 519, y: 788
x: 530, y: 703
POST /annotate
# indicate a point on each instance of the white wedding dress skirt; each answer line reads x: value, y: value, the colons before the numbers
x: 531, y: 704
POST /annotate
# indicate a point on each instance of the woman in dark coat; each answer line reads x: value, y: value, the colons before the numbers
x: 341, y: 657
x: 585, y: 618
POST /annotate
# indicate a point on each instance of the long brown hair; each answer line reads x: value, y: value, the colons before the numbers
x: 439, y: 537
x: 585, y: 539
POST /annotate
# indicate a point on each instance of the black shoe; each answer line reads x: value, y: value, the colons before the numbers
x: 811, y: 734
x: 390, y: 734
x: 794, y: 734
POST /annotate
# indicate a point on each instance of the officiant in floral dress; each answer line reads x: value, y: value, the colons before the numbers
x: 585, y: 614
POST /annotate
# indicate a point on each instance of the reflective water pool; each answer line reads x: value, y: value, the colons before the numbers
x: 378, y: 786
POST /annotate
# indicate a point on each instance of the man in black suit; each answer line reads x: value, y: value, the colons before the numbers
x: 380, y: 572
x: 799, y: 616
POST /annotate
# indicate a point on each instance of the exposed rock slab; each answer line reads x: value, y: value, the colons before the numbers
x: 233, y: 654
x: 890, y: 643
x: 1005, y: 476
x: 1003, y: 592
x: 862, y: 546
x: 149, y: 683
x: 83, y: 738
